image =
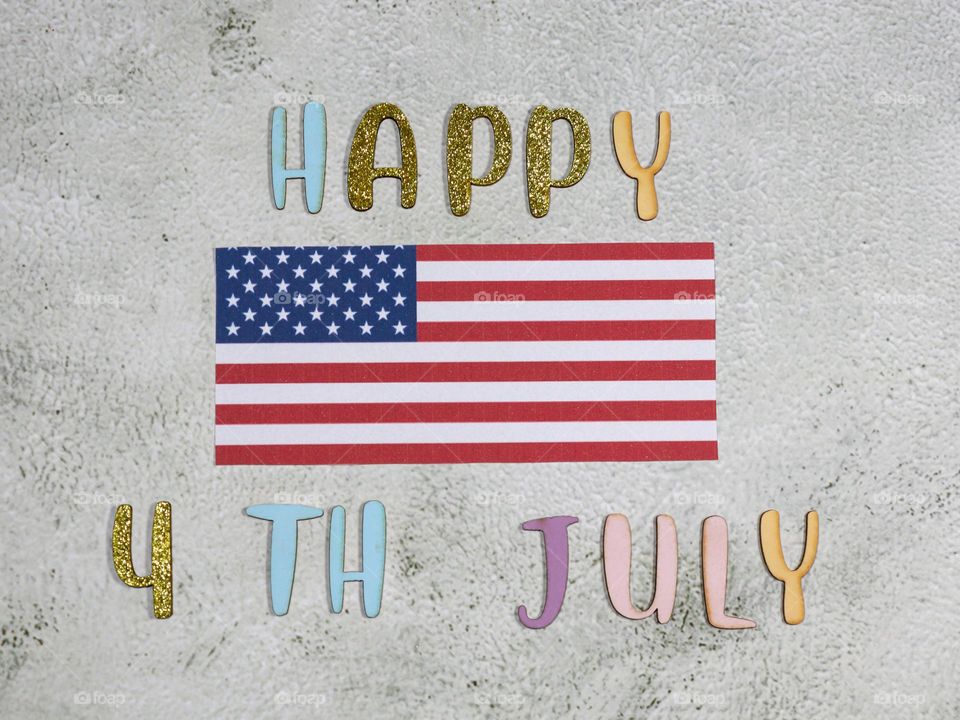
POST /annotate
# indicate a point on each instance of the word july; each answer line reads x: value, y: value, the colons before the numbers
x: 361, y: 171
x: 617, y: 552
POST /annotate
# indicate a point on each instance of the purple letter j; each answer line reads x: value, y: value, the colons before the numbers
x: 557, y: 551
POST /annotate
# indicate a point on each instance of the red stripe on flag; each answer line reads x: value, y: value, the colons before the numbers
x: 466, y: 372
x: 566, y: 330
x: 568, y: 251
x: 464, y: 453
x: 480, y: 290
x: 625, y: 411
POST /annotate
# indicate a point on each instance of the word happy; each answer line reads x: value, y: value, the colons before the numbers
x: 616, y: 561
x: 361, y: 171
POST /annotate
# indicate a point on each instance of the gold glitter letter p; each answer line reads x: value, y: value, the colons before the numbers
x: 360, y: 170
x: 161, y: 575
x: 540, y: 154
x: 627, y: 157
x: 460, y: 152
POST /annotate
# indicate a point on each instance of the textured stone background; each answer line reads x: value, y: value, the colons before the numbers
x: 815, y: 143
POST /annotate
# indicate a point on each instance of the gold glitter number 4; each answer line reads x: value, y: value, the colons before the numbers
x: 161, y: 562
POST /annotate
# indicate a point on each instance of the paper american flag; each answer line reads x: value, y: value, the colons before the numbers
x: 465, y: 353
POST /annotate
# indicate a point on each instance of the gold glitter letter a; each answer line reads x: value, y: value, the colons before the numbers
x: 161, y: 575
x: 540, y: 154
x: 627, y: 157
x: 360, y: 170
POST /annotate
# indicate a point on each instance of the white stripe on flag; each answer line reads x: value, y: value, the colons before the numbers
x: 571, y: 351
x: 465, y: 392
x: 412, y: 433
x: 566, y: 310
x: 566, y: 270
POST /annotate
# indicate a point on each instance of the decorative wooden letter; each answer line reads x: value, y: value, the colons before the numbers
x: 793, y: 609
x: 283, y: 547
x: 713, y: 558
x: 314, y: 156
x: 460, y: 153
x: 161, y: 556
x: 617, y: 554
x: 557, y: 551
x: 627, y: 157
x: 540, y: 154
x: 372, y: 561
x: 360, y: 171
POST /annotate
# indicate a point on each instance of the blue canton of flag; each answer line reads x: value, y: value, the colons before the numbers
x: 317, y: 294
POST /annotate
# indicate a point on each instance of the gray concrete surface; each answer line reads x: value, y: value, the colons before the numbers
x: 815, y: 143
